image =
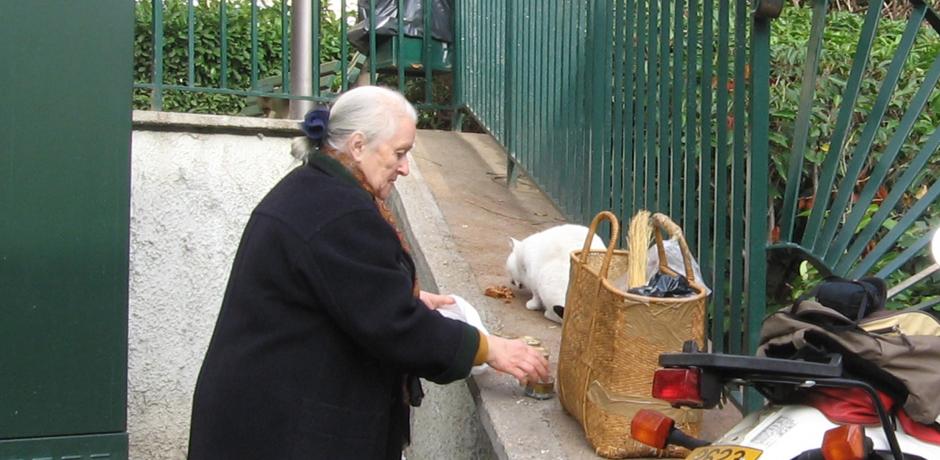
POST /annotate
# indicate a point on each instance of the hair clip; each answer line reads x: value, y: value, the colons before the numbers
x: 315, y: 124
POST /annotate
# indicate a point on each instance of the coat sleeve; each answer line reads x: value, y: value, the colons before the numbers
x: 355, y: 266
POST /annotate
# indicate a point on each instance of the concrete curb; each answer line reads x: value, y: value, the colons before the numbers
x: 191, y: 122
x: 513, y: 423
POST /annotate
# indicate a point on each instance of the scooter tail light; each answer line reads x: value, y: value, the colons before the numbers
x: 846, y: 442
x: 678, y: 386
x: 651, y: 428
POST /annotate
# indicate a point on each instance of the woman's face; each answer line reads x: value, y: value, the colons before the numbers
x: 383, y: 161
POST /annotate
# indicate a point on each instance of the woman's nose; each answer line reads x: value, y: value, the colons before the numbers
x: 403, y: 168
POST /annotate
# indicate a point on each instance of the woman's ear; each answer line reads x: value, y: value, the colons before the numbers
x: 356, y: 145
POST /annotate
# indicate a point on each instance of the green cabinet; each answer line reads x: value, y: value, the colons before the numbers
x: 65, y: 126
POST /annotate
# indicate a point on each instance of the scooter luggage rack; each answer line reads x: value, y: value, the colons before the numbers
x: 735, y: 364
x: 749, y: 370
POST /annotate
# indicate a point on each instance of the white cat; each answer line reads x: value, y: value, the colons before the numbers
x: 542, y: 261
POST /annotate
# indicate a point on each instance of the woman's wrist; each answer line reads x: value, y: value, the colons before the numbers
x: 483, y: 350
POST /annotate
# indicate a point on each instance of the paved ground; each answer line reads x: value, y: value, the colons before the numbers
x: 466, y: 175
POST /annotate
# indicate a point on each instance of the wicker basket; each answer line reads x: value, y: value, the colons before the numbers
x: 611, y: 342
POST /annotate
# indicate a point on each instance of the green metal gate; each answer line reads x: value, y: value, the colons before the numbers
x: 65, y: 126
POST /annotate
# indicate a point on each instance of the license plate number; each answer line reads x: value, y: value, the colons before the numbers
x: 724, y: 453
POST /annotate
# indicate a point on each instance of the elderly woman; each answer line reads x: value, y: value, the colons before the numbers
x: 323, y: 331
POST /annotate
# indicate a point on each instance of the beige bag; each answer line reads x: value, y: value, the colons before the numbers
x: 611, y: 341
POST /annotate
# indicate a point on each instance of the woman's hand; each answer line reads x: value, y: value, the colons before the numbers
x: 516, y: 358
x: 434, y: 301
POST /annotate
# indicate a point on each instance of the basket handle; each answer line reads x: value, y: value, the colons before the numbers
x: 614, y: 237
x: 663, y: 222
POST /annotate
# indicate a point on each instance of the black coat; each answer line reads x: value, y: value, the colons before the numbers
x: 318, y: 326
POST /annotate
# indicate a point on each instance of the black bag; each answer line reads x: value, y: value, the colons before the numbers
x: 854, y: 299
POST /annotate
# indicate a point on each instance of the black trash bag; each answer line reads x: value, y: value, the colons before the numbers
x: 386, y: 21
x: 663, y: 285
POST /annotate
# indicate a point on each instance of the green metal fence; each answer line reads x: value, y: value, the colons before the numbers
x: 628, y: 105
x: 665, y: 105
x: 411, y: 63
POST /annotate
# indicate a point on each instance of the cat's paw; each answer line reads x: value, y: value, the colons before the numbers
x: 533, y: 304
x: 551, y: 315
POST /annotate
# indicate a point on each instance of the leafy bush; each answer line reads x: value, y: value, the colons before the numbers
x: 892, y: 9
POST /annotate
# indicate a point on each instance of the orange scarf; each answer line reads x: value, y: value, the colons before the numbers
x: 350, y: 164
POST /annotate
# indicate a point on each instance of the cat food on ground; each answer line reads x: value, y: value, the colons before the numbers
x: 499, y: 292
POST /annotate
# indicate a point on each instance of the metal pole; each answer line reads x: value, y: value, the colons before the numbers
x: 301, y: 62
x: 913, y: 279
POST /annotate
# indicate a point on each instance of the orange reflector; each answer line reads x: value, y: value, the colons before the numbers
x: 651, y: 428
x: 846, y: 442
x: 679, y: 387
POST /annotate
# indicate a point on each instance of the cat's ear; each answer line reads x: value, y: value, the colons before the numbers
x: 513, y: 242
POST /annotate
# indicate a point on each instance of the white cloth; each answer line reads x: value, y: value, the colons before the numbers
x: 463, y: 311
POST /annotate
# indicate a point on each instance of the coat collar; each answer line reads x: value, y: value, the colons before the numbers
x: 333, y: 168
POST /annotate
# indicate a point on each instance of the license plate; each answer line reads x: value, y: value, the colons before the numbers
x: 724, y: 453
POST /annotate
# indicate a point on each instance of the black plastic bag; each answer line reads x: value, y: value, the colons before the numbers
x: 663, y: 285
x: 386, y: 21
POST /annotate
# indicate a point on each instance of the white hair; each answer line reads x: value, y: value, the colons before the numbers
x: 371, y: 110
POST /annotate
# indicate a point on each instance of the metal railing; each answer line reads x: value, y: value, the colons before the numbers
x: 634, y: 104
x: 415, y: 73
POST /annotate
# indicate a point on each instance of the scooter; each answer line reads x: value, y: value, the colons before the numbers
x: 788, y: 427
